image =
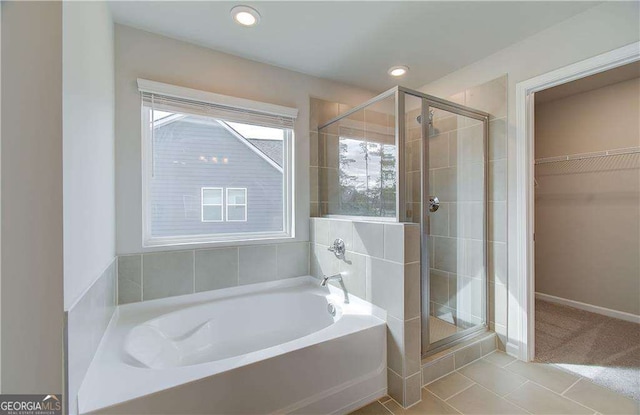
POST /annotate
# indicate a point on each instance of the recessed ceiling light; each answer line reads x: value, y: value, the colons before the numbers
x: 398, y: 70
x: 245, y: 16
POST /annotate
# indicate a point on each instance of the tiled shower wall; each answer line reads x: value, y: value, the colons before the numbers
x: 320, y: 112
x: 491, y: 97
x: 155, y: 275
x: 455, y: 176
x: 456, y: 166
x: 381, y: 265
x: 373, y: 125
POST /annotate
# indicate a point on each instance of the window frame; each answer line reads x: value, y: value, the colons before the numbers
x: 203, y: 205
x: 245, y: 204
x: 204, y: 240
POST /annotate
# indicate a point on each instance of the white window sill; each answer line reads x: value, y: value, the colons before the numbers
x: 181, y: 244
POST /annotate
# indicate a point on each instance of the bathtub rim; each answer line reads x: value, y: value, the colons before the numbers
x: 129, y: 315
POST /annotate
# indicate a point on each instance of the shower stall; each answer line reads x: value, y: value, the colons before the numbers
x: 405, y: 156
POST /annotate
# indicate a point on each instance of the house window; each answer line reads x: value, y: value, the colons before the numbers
x: 212, y: 204
x: 232, y: 155
x: 236, y: 204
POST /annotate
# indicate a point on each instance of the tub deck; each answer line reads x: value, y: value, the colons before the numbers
x: 308, y: 372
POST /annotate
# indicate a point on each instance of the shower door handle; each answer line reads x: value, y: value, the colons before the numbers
x: 434, y: 203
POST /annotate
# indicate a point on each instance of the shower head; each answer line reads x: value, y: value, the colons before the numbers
x: 419, y: 118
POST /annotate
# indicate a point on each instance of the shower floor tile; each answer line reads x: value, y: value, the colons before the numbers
x: 440, y: 329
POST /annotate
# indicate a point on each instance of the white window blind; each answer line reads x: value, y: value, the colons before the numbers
x: 164, y: 97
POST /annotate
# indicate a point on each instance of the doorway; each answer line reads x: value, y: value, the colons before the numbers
x: 587, y: 227
x: 522, y: 316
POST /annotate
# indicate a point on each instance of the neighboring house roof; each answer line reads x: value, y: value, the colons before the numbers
x: 272, y: 148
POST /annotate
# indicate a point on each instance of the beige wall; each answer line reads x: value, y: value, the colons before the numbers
x: 88, y: 128
x: 601, y: 119
x: 600, y: 29
x: 32, y: 233
x: 588, y: 211
x: 145, y: 55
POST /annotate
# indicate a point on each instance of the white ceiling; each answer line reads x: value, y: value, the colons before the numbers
x: 354, y: 42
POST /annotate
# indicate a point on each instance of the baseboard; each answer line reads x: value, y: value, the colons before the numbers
x: 589, y: 307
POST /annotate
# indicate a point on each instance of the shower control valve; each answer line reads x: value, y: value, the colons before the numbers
x: 338, y: 248
x: 434, y: 203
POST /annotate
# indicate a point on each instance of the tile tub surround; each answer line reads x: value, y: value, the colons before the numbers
x: 156, y: 275
x: 381, y: 265
x: 500, y: 384
x: 86, y: 322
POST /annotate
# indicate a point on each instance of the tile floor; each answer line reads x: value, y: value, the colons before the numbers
x: 500, y: 384
x: 440, y: 329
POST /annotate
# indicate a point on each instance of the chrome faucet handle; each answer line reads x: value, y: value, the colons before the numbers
x: 338, y: 248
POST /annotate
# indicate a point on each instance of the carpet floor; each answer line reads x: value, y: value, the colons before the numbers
x: 603, y: 349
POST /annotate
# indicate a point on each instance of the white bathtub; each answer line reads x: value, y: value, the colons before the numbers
x: 263, y: 348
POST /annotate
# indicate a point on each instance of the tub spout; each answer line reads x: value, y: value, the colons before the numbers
x: 337, y: 277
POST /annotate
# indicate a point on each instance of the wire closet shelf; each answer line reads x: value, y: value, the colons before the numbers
x: 584, y: 156
x: 601, y: 161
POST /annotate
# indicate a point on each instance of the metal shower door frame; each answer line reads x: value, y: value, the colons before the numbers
x: 428, y: 348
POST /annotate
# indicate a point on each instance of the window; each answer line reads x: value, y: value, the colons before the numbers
x: 236, y: 205
x: 231, y: 155
x: 211, y: 204
x: 235, y: 201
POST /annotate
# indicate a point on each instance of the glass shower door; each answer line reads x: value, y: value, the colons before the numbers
x: 454, y: 212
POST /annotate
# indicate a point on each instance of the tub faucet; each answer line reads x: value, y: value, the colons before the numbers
x: 337, y: 277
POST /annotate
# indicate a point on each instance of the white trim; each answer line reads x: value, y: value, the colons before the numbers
x: 177, y: 243
x: 244, y: 205
x: 203, y: 205
x: 174, y: 91
x: 621, y: 315
x: 521, y: 341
